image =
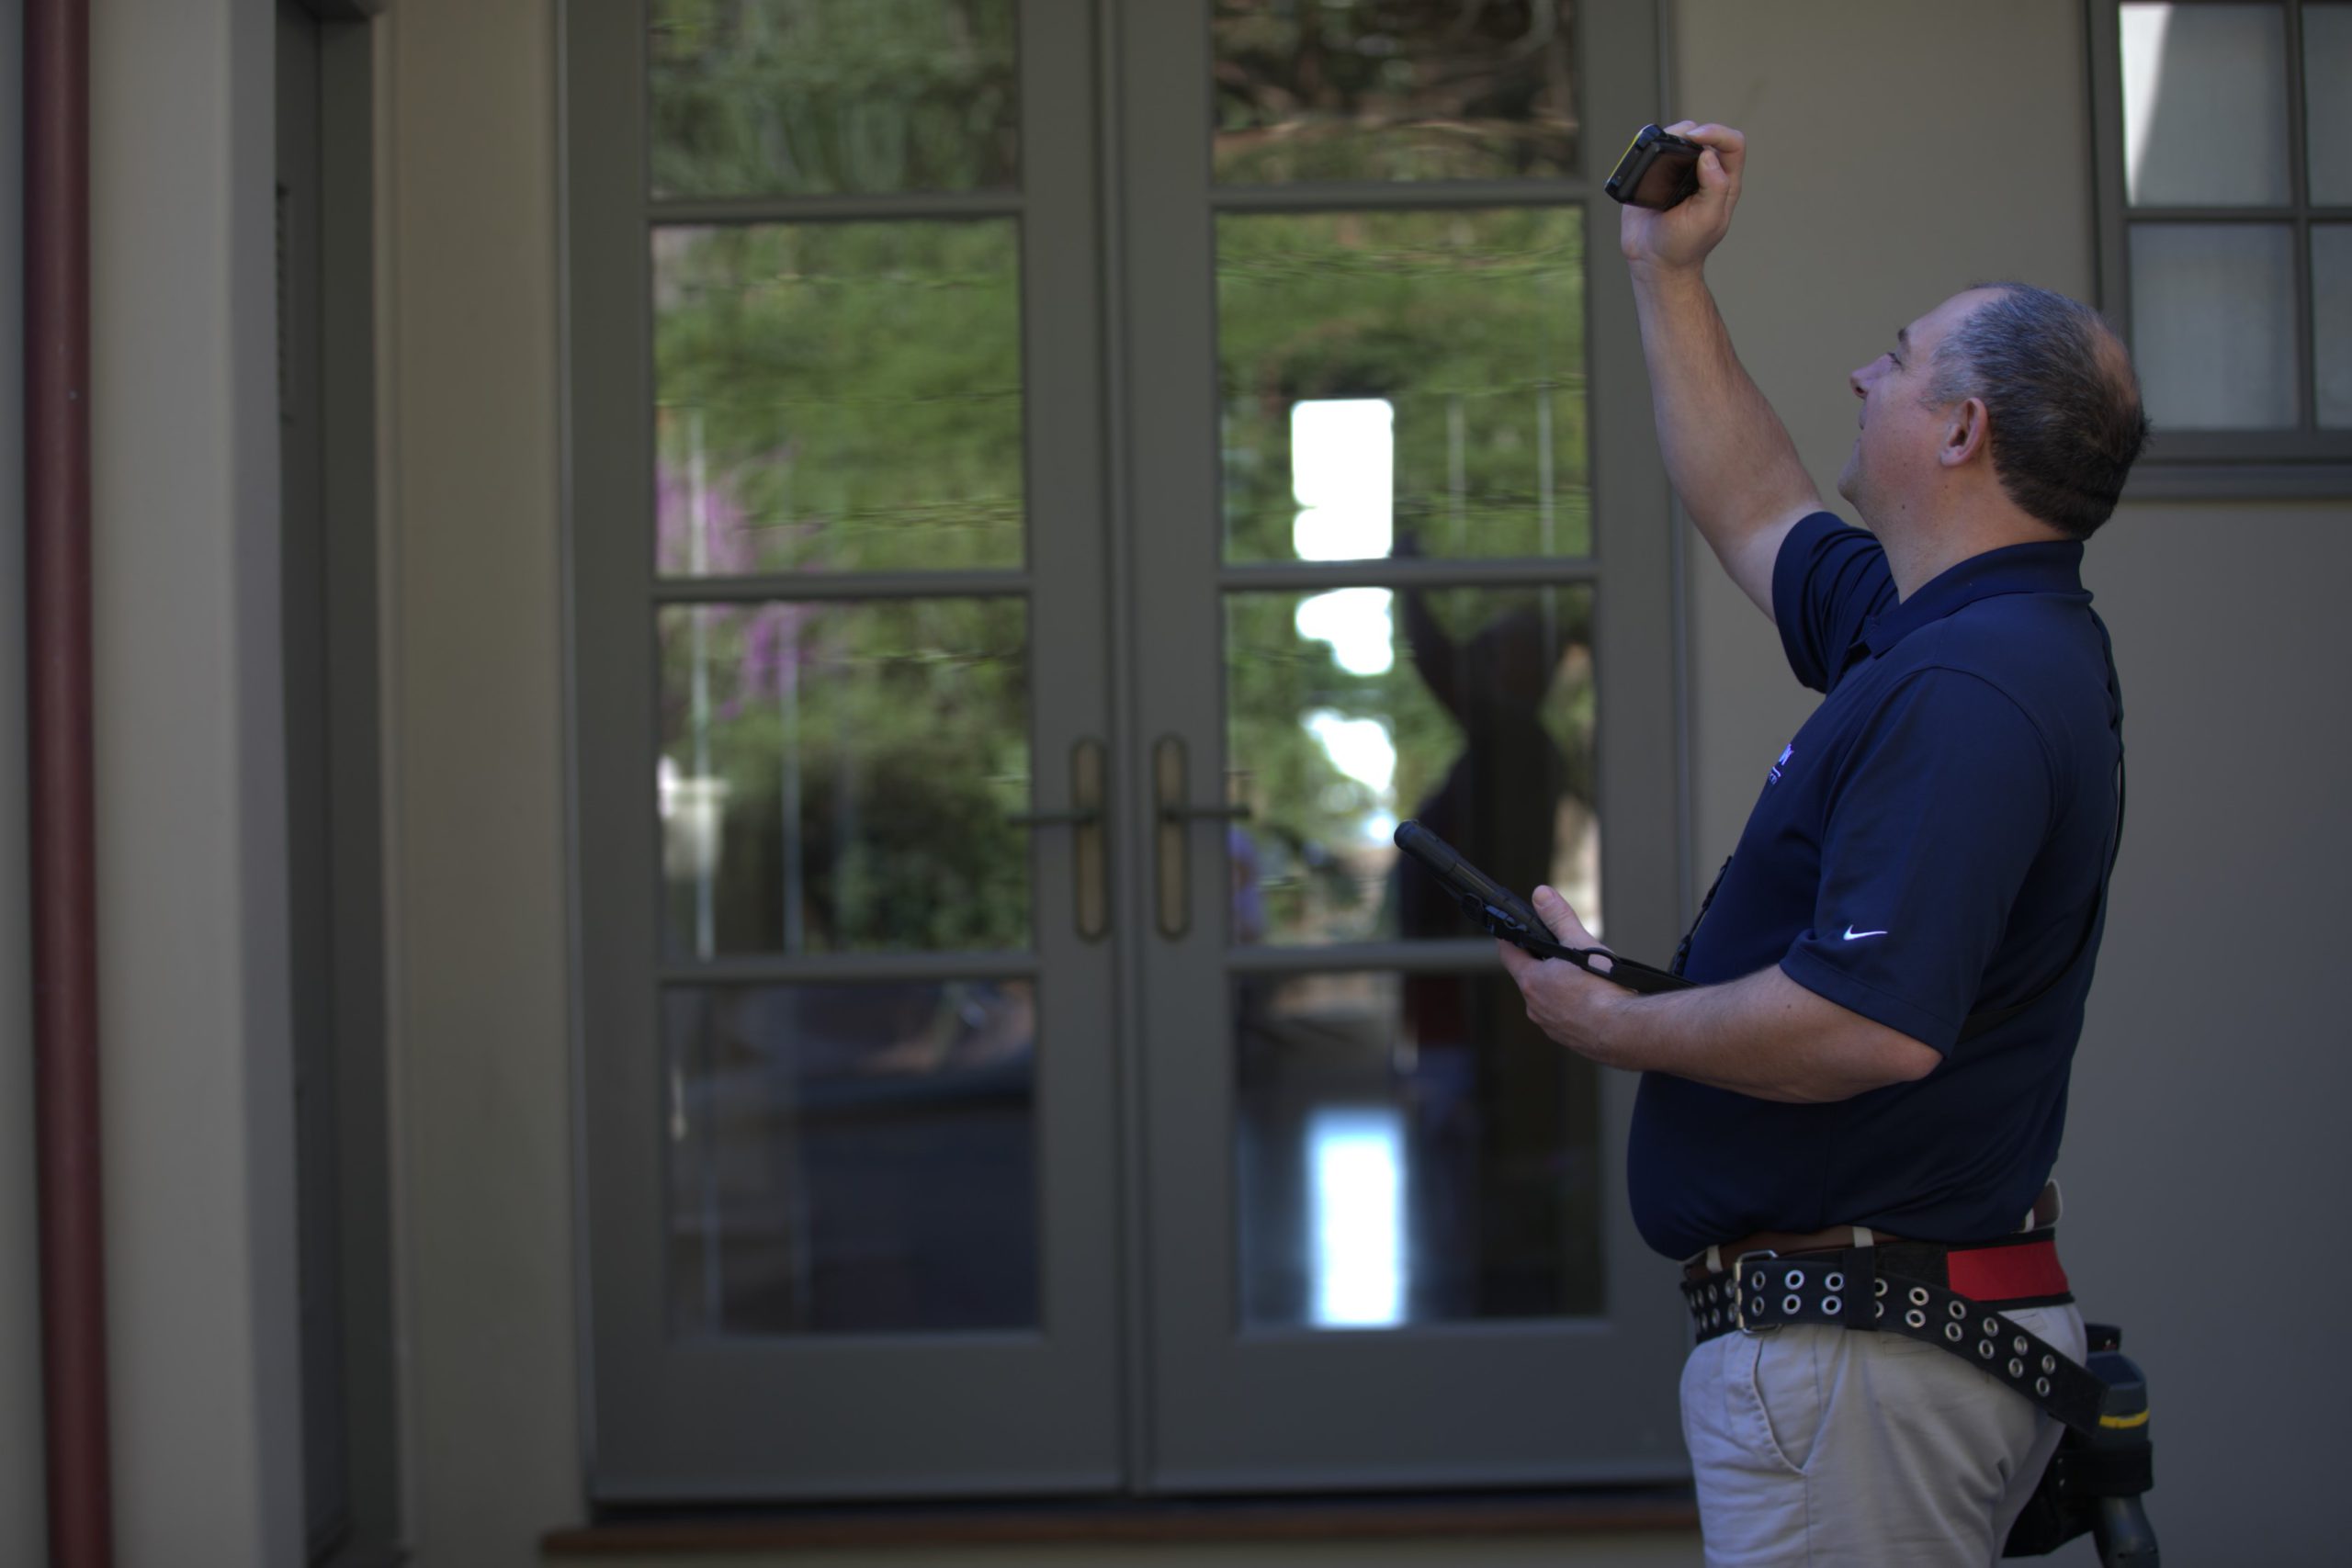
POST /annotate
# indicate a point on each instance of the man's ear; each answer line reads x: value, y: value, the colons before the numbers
x: 1969, y: 433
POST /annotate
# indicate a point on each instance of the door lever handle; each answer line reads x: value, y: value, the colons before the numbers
x: 1173, y: 811
x: 1205, y: 813
x: 1074, y: 816
x: 1089, y: 855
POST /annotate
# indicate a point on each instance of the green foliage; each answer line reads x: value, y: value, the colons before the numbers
x: 1394, y: 90
x: 900, y: 727
x: 858, y: 383
x: 812, y: 97
x: 1471, y: 325
x: 1308, y: 817
x: 848, y: 397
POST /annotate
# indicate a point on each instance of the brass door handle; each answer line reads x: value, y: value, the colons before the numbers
x: 1089, y: 890
x: 1173, y: 812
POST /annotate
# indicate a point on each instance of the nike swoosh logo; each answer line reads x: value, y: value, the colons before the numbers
x: 1853, y: 935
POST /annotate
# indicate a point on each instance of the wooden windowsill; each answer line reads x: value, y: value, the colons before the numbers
x: 1031, y: 1523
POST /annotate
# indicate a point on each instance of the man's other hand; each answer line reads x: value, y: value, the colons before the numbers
x: 1681, y: 237
x: 1563, y: 1000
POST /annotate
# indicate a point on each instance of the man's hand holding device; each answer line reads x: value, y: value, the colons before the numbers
x: 1679, y: 236
x: 1521, y: 927
x: 1564, y: 1001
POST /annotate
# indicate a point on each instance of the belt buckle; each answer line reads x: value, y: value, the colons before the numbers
x: 1740, y: 1301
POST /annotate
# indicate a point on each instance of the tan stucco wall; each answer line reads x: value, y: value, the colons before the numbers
x: 195, y: 1058
x: 475, y: 702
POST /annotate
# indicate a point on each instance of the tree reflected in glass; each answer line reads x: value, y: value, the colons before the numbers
x: 820, y: 98
x: 1394, y: 90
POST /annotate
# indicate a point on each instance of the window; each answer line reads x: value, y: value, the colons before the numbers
x: 2225, y: 189
x: 1054, y: 481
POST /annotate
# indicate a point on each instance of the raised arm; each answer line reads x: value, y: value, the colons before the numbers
x: 1726, y: 453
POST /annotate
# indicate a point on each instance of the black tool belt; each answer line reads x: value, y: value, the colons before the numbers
x: 1897, y: 1289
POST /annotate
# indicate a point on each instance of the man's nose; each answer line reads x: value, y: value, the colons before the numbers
x: 1855, y: 381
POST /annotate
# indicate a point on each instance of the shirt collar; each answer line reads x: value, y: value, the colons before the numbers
x: 2054, y: 566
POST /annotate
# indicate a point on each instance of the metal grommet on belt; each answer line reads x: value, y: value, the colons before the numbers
x: 1915, y: 1319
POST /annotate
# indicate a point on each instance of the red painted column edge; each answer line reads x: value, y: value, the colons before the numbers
x: 62, y: 782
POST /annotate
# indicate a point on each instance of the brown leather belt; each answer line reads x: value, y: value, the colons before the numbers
x: 1836, y: 1239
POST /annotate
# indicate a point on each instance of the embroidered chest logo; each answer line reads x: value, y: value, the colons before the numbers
x: 1786, y: 752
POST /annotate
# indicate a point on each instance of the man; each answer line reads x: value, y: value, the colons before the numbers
x: 1894, y: 963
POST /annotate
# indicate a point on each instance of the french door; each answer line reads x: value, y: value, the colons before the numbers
x: 1047, y: 497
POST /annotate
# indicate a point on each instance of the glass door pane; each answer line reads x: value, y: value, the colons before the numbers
x: 1404, y: 384
x: 1399, y: 563
x: 811, y: 97
x: 1394, y: 90
x: 848, y: 1018
x: 1473, y: 711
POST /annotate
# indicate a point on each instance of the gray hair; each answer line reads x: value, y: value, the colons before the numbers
x: 2066, y: 416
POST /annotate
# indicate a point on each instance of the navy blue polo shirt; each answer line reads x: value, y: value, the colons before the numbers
x: 1930, y: 845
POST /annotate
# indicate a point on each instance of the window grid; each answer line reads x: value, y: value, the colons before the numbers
x: 2304, y: 459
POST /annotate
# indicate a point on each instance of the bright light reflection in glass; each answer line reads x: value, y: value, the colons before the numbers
x: 1344, y: 474
x: 1364, y: 750
x: 2142, y: 29
x: 1356, y: 1160
x: 1359, y: 748
x: 1355, y: 622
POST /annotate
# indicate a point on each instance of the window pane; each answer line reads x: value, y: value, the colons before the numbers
x: 1468, y: 708
x: 836, y: 778
x: 2205, y: 106
x: 2327, y: 102
x: 2213, y: 324
x: 838, y: 396
x: 1410, y: 1149
x: 2332, y: 321
x: 850, y: 1158
x: 810, y: 98
x: 1394, y: 90
x: 1466, y: 327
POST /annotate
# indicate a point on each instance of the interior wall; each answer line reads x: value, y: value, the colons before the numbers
x: 23, y: 1503
x: 196, y: 1063
x: 474, y: 702
x: 1899, y: 151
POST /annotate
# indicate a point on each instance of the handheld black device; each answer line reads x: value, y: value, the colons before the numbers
x: 1505, y: 914
x: 1659, y: 169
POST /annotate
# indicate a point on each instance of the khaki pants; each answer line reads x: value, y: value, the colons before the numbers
x: 1832, y: 1448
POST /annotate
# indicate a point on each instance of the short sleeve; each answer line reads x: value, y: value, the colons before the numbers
x: 1936, y: 817
x: 1827, y: 582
